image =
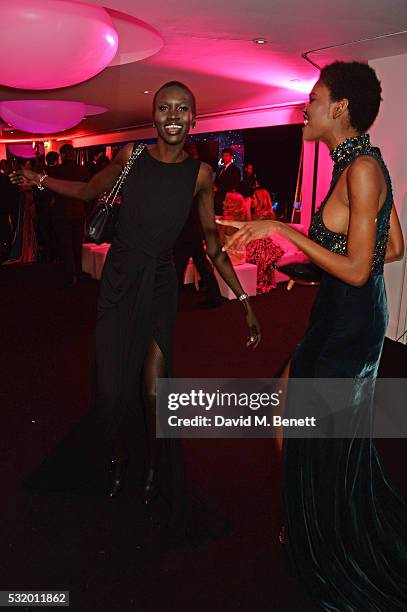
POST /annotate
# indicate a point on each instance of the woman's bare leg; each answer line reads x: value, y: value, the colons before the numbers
x: 285, y: 374
x: 154, y: 367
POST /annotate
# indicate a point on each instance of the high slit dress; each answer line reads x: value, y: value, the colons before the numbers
x: 137, y: 304
x: 346, y: 527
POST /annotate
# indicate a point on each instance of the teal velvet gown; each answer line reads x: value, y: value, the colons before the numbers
x: 345, y: 526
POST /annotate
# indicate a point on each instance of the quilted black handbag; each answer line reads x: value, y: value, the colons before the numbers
x: 103, y: 222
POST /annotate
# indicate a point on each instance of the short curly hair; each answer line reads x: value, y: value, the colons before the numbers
x: 359, y: 84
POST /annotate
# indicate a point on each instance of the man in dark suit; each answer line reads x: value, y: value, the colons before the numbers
x: 227, y: 179
x: 69, y: 215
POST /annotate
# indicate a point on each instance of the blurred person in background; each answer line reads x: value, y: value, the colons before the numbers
x: 9, y: 198
x: 227, y: 180
x: 44, y: 202
x: 68, y: 215
x: 249, y: 182
x: 263, y: 252
x: 26, y: 219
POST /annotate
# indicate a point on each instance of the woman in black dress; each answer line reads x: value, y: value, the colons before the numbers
x: 249, y: 182
x: 138, y: 302
x: 345, y: 527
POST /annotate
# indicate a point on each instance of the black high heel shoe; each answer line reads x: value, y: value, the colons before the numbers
x: 117, y: 473
x: 150, y: 487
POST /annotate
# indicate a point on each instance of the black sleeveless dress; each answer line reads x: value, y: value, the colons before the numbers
x: 137, y: 303
x: 346, y: 527
x: 138, y: 296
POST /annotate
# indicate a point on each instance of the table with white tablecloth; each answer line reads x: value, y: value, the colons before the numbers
x: 94, y: 255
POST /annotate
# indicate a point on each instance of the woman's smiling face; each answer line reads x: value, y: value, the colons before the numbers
x: 318, y: 113
x: 173, y: 114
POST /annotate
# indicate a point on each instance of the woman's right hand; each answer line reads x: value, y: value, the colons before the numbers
x: 24, y: 177
x: 254, y: 328
x: 249, y: 231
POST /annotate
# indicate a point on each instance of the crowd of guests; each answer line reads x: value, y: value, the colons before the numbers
x: 9, y: 196
x: 235, y: 199
x: 38, y: 225
x: 228, y: 180
x: 17, y: 216
x: 245, y: 200
x: 26, y: 231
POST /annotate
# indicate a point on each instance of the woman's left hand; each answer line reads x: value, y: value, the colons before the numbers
x: 254, y: 328
x: 249, y: 231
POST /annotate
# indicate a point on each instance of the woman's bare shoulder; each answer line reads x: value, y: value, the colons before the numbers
x: 365, y: 165
x: 123, y: 155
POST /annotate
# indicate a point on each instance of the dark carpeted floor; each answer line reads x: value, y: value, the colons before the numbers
x: 107, y: 553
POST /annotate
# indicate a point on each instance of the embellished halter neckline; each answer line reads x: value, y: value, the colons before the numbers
x: 349, y: 149
x: 343, y: 155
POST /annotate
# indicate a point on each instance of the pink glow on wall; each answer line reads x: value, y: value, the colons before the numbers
x: 46, y: 44
x: 307, y: 183
x: 45, y: 116
x: 324, y: 174
x: 325, y: 167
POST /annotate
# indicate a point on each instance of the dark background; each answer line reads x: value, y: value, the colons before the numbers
x: 275, y: 153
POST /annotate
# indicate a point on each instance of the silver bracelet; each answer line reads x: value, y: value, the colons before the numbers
x: 42, y: 178
x: 244, y: 296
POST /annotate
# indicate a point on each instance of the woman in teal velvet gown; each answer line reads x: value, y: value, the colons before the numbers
x: 346, y: 530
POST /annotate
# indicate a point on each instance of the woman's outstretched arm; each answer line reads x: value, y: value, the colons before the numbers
x: 100, y: 182
x: 364, y: 186
x: 219, y: 258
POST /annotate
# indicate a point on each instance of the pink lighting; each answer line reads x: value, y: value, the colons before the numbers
x: 45, y: 116
x: 137, y: 39
x: 25, y: 150
x: 303, y: 86
x: 110, y: 39
x: 46, y: 44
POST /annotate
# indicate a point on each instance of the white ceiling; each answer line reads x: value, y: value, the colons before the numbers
x: 208, y: 45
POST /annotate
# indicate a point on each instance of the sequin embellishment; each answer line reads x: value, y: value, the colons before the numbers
x: 342, y: 156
